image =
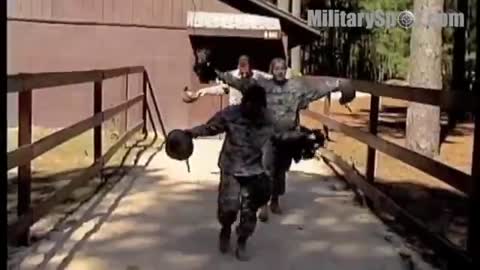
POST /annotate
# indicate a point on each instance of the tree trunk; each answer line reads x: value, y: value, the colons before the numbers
x: 296, y: 52
x: 423, y: 121
x: 283, y: 5
x: 459, y: 52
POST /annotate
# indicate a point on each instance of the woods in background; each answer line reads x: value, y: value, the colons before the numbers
x: 381, y: 54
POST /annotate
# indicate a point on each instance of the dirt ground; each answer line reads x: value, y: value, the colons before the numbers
x: 443, y: 208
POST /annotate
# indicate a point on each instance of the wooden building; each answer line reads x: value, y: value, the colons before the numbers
x: 67, y: 35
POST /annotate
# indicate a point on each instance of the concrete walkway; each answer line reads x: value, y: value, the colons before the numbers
x: 164, y: 218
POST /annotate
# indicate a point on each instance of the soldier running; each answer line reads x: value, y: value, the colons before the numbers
x: 244, y: 185
x: 285, y: 98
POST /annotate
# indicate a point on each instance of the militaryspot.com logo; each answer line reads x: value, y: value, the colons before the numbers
x: 384, y: 19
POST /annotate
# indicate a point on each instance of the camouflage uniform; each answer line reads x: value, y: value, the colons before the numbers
x: 244, y: 185
x: 284, y: 100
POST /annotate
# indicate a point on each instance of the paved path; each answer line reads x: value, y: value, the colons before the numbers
x: 164, y: 218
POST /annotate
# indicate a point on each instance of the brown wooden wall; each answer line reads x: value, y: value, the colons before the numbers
x: 165, y: 51
x: 152, y: 12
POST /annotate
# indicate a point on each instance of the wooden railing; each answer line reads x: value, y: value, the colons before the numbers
x: 465, y: 183
x: 24, y: 84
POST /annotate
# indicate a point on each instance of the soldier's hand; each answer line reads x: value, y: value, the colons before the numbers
x: 201, y: 93
x: 347, y: 90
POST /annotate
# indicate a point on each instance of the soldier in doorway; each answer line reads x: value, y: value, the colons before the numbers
x: 244, y: 70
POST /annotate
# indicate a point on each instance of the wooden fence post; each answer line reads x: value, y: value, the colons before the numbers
x: 97, y: 131
x: 24, y: 171
x: 144, y: 103
x: 125, y: 123
x: 326, y: 111
x: 473, y: 242
x: 372, y: 127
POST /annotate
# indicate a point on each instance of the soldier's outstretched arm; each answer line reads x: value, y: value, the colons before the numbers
x: 326, y: 86
x: 259, y: 73
x: 234, y: 82
x: 214, y: 126
x: 216, y: 90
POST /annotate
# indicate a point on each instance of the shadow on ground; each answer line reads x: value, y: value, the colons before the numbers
x: 42, y: 187
x: 443, y: 211
x: 172, y: 224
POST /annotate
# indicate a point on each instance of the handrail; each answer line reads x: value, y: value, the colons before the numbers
x: 451, y: 176
x: 24, y: 84
x: 27, y: 81
x: 25, y: 154
x: 447, y: 100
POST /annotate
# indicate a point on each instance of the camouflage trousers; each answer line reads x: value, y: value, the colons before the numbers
x: 276, y: 163
x: 245, y: 195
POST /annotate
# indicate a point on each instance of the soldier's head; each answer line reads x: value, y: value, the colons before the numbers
x: 203, y: 65
x: 244, y: 67
x: 254, y: 101
x: 278, y: 68
x: 202, y: 55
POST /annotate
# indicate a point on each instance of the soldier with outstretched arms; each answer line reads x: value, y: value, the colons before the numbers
x: 285, y: 98
x: 244, y: 70
x: 244, y: 185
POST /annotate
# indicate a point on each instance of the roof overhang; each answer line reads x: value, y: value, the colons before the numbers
x: 297, y: 29
x: 216, y: 24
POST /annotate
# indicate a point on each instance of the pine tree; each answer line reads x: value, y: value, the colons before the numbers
x: 423, y: 121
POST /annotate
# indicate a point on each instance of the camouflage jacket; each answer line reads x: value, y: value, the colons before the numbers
x: 287, y: 99
x: 242, y: 149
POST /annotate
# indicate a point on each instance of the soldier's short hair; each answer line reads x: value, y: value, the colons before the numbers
x: 256, y: 94
x: 276, y: 61
x: 244, y: 66
x: 243, y: 59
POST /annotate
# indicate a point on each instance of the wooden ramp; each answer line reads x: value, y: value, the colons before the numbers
x: 165, y: 218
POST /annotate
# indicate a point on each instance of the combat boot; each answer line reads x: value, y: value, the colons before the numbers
x: 224, y: 239
x: 263, y: 215
x: 241, y: 251
x: 275, y: 206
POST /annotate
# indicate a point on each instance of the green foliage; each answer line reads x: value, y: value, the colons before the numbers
x: 385, y: 4
x: 389, y: 48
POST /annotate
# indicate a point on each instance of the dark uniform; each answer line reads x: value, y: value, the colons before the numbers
x: 244, y: 185
x: 284, y: 100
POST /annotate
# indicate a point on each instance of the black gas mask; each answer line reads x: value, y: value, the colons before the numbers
x: 299, y: 144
